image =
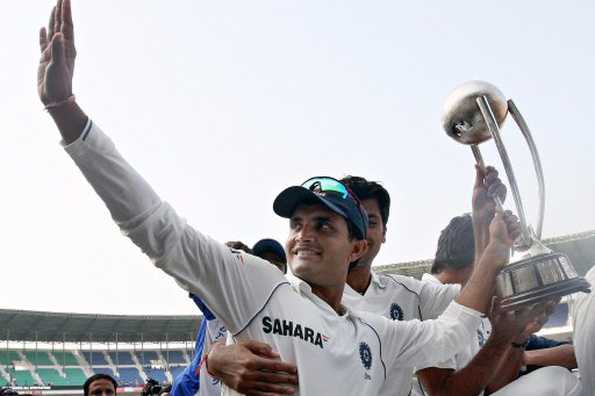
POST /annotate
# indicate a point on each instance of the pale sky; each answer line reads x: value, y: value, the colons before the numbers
x: 222, y: 104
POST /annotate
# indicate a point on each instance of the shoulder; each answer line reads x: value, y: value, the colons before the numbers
x: 401, y: 283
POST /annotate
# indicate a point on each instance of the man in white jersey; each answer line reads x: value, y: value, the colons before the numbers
x: 304, y: 320
x: 583, y: 317
x: 395, y: 297
x: 492, y: 359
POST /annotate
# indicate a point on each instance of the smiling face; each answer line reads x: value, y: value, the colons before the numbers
x: 319, y: 247
x: 376, y: 231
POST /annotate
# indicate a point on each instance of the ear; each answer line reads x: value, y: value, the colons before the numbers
x: 384, y: 235
x: 359, y: 248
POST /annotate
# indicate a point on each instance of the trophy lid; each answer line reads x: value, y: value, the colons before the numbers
x: 462, y: 119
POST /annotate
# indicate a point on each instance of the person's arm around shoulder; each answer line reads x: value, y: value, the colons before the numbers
x: 252, y: 368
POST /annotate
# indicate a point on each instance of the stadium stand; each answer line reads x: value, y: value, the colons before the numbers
x: 121, y: 358
x: 95, y: 358
x: 65, y: 358
x: 79, y: 345
x: 147, y: 358
x: 40, y: 358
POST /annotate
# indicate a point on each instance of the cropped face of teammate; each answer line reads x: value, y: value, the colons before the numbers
x: 376, y: 231
x: 102, y: 387
x: 319, y: 247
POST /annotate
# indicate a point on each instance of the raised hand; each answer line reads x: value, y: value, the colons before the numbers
x: 487, y: 186
x: 505, y: 228
x: 56, y: 66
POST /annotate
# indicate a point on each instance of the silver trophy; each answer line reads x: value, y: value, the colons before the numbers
x: 473, y: 113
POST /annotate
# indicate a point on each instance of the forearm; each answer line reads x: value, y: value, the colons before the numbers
x: 70, y: 120
x: 470, y: 380
x: 478, y: 291
x: 128, y: 197
x: 508, y: 369
x: 481, y: 235
x: 562, y: 355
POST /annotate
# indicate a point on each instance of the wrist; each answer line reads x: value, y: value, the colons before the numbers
x: 496, y: 254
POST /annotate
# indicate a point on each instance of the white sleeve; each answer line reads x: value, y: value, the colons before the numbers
x: 417, y: 343
x: 233, y: 285
x: 435, y: 297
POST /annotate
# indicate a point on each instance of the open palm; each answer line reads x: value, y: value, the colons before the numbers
x: 56, y: 66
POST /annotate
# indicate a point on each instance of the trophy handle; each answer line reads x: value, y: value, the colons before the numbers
x: 490, y: 120
x: 520, y: 121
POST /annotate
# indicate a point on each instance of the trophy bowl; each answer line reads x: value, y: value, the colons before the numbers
x: 538, y: 278
x: 462, y: 119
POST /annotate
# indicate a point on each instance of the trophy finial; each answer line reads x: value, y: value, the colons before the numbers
x: 462, y: 119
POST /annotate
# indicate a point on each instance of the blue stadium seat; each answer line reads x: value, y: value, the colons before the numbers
x: 97, y: 356
x: 104, y: 370
x: 129, y: 376
x: 121, y: 358
x: 145, y: 357
x: 156, y: 374
x: 174, y: 357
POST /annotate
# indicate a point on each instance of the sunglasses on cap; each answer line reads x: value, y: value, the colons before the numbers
x: 325, y: 184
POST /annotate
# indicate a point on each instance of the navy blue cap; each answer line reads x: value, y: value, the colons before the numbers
x: 348, y: 207
x: 269, y: 245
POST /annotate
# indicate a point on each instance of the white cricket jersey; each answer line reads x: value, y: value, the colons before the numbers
x: 209, y: 385
x: 583, y: 317
x: 398, y: 297
x: 471, y: 347
x: 335, y: 354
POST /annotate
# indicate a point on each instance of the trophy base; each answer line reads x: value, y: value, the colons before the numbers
x: 536, y: 279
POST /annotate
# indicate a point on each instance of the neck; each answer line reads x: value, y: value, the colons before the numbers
x: 451, y: 277
x: 359, y: 278
x: 332, y: 296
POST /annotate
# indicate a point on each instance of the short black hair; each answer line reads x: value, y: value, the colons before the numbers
x: 97, y: 377
x: 456, y: 245
x: 365, y: 189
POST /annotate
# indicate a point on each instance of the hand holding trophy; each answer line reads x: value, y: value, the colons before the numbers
x: 473, y: 113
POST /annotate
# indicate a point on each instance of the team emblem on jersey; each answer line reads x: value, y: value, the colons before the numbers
x: 481, y: 338
x: 365, y: 355
x: 396, y: 313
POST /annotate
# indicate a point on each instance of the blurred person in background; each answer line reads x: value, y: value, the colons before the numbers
x: 100, y: 385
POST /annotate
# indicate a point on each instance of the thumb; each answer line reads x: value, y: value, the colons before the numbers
x: 479, y: 175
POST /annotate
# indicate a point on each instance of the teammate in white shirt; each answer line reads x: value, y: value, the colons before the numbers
x: 492, y: 359
x: 337, y: 351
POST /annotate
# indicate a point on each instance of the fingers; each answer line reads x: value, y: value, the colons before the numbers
x: 67, y: 25
x: 274, y: 365
x: 479, y: 175
x: 272, y: 377
x: 264, y: 389
x: 43, y: 39
x: 51, y: 23
x: 513, y: 225
x: 58, y: 17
